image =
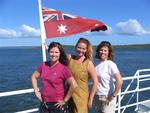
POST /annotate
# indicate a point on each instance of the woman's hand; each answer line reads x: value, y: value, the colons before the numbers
x: 110, y: 98
x: 38, y: 95
x: 90, y: 101
x: 60, y: 103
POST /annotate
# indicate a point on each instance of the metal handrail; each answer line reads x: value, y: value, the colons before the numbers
x: 136, y: 76
x: 17, y: 92
x: 130, y: 105
x: 28, y: 111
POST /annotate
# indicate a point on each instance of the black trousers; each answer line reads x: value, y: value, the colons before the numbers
x: 49, y: 107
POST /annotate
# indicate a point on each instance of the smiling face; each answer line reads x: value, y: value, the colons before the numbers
x: 81, y: 49
x: 103, y: 53
x: 54, y: 54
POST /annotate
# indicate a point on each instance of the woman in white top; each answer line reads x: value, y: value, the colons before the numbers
x: 104, y: 100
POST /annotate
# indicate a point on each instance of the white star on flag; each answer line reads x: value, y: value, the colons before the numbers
x: 62, y: 29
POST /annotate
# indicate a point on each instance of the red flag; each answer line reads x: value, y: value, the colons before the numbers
x: 58, y: 24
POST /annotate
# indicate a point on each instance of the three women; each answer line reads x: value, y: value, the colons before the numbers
x: 82, y: 69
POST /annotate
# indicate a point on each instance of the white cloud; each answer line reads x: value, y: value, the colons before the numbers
x: 28, y: 31
x: 25, y: 31
x: 131, y: 27
x: 8, y: 33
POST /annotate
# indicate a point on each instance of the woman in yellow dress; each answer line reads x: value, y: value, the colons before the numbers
x: 82, y: 69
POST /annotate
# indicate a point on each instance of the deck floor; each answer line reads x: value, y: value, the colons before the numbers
x: 144, y: 108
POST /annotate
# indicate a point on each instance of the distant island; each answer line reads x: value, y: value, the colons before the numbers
x: 72, y: 46
x: 133, y: 46
x: 120, y: 46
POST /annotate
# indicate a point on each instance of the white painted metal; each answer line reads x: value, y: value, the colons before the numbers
x: 43, y: 35
x: 140, y: 78
x: 28, y: 111
x: 18, y: 92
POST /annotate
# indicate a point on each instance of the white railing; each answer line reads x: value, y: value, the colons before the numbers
x: 18, y: 92
x: 119, y: 107
x: 138, y: 77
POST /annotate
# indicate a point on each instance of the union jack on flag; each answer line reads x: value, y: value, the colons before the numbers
x: 58, y: 24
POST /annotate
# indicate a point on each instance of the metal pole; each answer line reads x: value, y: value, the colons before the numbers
x: 137, y: 98
x: 119, y: 101
x: 43, y: 35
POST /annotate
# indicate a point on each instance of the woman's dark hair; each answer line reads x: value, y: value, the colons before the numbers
x: 63, y: 58
x: 110, y: 49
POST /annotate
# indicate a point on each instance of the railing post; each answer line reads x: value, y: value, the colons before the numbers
x: 137, y: 94
x: 119, y: 101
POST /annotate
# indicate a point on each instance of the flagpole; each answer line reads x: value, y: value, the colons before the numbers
x: 43, y: 35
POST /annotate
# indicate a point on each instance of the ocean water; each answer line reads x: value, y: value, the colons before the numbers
x: 18, y: 64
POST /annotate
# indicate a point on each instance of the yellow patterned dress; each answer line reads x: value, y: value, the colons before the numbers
x: 79, y: 100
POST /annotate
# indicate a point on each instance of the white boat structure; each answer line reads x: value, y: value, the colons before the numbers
x: 128, y: 100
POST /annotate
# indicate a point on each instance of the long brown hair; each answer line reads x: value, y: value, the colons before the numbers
x: 89, y: 48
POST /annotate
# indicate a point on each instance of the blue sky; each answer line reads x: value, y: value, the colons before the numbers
x: 128, y: 21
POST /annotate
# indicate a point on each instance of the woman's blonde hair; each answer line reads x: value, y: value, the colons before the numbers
x: 89, y: 48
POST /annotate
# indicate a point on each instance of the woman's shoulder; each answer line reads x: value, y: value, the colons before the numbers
x: 107, y: 62
x: 111, y: 63
x: 44, y: 64
x: 62, y: 67
x: 89, y: 62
